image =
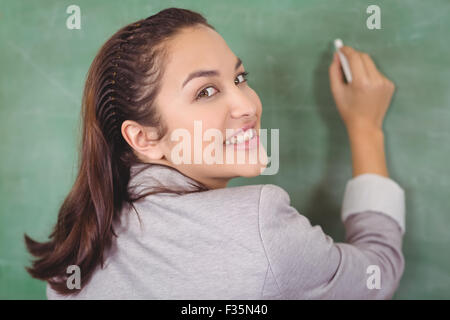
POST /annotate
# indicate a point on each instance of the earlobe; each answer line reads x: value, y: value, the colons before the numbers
x: 143, y: 140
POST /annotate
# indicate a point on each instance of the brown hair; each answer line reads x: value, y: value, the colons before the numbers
x: 122, y: 83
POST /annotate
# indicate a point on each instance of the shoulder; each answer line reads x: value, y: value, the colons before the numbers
x: 264, y: 192
x: 230, y: 196
x: 274, y: 201
x: 274, y: 193
x: 263, y: 196
x: 277, y: 217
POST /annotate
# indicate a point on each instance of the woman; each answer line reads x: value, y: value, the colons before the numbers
x: 138, y: 223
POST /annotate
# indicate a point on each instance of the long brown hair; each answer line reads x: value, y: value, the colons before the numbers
x: 122, y: 83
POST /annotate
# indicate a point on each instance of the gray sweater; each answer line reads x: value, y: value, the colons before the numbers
x: 248, y: 242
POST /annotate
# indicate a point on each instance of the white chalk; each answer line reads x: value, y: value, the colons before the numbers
x: 344, y: 62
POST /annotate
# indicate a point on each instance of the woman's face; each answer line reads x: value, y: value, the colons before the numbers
x: 220, y: 100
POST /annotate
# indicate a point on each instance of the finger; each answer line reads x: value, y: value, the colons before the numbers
x: 336, y: 75
x: 356, y: 63
x: 370, y: 66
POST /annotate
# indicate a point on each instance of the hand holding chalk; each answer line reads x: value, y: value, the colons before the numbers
x: 364, y: 100
x: 338, y: 44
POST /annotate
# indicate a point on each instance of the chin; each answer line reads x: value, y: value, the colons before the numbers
x: 250, y: 170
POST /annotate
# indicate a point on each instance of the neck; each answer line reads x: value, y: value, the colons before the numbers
x: 214, y: 183
x: 210, y: 182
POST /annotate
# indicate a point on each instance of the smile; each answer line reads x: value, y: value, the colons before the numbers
x: 241, y: 137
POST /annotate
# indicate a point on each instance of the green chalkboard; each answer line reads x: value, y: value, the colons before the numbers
x: 287, y: 47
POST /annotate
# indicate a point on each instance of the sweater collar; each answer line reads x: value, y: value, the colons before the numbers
x: 145, y: 175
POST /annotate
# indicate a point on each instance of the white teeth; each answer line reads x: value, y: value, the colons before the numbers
x: 245, y: 136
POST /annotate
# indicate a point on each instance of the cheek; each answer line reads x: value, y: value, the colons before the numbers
x: 193, y: 133
x: 212, y: 118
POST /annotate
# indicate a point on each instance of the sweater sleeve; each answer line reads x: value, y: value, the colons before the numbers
x: 307, y: 264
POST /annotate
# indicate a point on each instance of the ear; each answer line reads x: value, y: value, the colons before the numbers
x: 144, y: 140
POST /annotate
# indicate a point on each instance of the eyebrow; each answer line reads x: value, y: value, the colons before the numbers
x: 207, y: 73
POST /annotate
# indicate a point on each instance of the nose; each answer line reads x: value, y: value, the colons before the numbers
x: 241, y: 104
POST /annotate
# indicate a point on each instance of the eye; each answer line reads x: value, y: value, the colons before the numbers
x: 244, y: 76
x: 201, y: 94
x: 204, y: 92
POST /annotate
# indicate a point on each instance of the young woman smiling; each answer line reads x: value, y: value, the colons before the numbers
x: 138, y: 225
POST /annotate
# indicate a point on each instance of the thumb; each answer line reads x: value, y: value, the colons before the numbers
x: 336, y: 76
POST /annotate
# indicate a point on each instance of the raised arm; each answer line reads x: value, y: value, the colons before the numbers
x: 362, y: 105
